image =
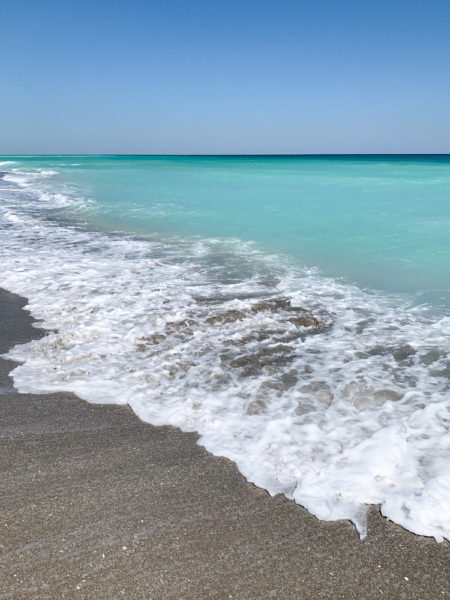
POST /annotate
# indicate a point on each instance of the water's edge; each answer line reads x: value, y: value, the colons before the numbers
x: 20, y: 327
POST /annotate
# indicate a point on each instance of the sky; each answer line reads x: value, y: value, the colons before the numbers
x: 229, y: 77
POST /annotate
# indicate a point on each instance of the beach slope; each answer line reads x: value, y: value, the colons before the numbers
x: 96, y: 504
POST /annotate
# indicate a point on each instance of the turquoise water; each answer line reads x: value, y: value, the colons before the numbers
x: 380, y: 221
x: 294, y: 311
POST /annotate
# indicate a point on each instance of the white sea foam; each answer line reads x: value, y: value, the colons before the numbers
x: 26, y: 178
x: 42, y: 194
x: 212, y: 336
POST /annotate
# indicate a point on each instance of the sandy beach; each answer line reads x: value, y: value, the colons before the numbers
x: 96, y: 504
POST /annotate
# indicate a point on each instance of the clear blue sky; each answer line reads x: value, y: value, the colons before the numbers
x: 225, y: 77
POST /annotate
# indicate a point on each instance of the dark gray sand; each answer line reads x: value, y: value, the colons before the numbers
x: 97, y: 505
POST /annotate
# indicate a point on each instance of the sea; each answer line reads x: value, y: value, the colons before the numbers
x: 294, y: 311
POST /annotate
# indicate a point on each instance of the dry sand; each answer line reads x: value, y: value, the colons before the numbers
x: 98, y: 505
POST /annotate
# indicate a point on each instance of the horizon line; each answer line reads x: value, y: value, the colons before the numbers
x: 281, y: 154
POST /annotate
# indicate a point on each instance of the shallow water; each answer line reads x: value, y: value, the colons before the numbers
x: 189, y: 289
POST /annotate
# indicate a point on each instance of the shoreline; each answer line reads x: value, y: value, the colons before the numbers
x: 97, y: 504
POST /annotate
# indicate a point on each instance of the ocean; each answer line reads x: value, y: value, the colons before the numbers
x: 292, y: 310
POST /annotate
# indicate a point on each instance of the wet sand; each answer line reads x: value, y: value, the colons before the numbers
x: 98, y: 505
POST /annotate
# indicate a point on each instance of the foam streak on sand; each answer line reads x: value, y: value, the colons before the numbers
x: 336, y: 397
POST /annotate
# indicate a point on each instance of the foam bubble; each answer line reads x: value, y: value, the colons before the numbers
x: 336, y: 397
